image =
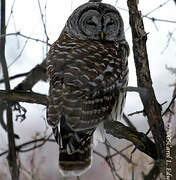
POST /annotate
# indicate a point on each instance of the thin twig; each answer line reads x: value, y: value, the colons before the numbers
x: 158, y: 7
x: 153, y: 173
x: 122, y: 150
x: 127, y: 120
x: 170, y: 104
x: 21, y: 146
x: 44, y: 24
x: 11, y: 12
x: 99, y: 154
x: 170, y: 37
x: 137, y: 112
x: 153, y: 10
x: 111, y: 162
x: 119, y: 153
x: 15, y: 76
x: 43, y: 142
x: 160, y: 20
x: 24, y: 36
x: 20, y: 54
x: 107, y: 160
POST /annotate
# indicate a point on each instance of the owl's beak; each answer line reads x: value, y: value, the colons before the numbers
x: 102, y: 35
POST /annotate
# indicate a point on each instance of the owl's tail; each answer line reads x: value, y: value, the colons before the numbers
x: 75, y: 149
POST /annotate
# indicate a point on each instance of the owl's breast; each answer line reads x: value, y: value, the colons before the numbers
x: 93, y: 66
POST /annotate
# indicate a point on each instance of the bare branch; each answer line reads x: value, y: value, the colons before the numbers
x: 139, y: 139
x: 37, y: 74
x: 15, y: 76
x: 23, y: 96
x: 111, y: 127
x: 127, y: 120
x: 35, y: 141
x: 44, y: 24
x: 151, y: 106
x: 24, y: 36
x: 161, y: 20
x: 12, y: 155
x: 170, y: 104
x: 19, y: 55
x: 111, y: 162
x: 171, y: 70
x: 158, y: 7
x: 11, y: 12
x: 118, y: 153
x: 20, y: 147
x: 153, y: 19
x: 122, y: 150
x: 137, y: 112
x: 170, y: 37
x: 153, y: 174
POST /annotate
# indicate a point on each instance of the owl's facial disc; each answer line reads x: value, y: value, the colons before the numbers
x: 90, y: 24
x: 97, y: 25
x: 96, y: 21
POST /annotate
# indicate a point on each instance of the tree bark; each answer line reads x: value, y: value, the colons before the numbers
x: 151, y: 107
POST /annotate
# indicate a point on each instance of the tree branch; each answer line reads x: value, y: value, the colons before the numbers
x: 15, y: 76
x: 153, y: 174
x: 117, y: 129
x: 20, y: 147
x: 168, y: 109
x: 127, y: 120
x: 151, y: 106
x: 161, y: 20
x: 23, y: 96
x: 37, y: 74
x: 20, y: 93
x: 24, y: 36
x: 12, y: 155
x: 139, y: 139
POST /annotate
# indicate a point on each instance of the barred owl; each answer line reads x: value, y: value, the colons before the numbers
x: 86, y: 65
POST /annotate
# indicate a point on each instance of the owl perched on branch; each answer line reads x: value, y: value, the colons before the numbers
x: 86, y: 66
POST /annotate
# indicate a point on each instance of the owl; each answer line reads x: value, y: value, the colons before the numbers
x: 86, y: 67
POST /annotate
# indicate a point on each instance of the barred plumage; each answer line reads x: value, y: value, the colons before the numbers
x: 85, y: 72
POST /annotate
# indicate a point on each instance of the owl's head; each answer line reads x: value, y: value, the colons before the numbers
x: 96, y: 21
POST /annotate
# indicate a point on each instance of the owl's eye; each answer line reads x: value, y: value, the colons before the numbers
x: 90, y: 22
x: 111, y: 22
